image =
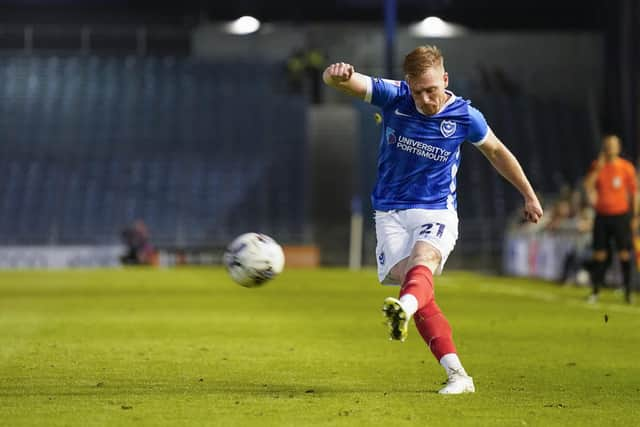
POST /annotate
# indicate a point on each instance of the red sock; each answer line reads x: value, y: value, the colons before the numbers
x: 419, y: 283
x: 435, y: 330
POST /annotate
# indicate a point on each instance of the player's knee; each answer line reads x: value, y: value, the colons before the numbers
x: 428, y: 258
x: 397, y: 271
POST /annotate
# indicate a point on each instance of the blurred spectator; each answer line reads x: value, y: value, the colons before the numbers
x: 304, y: 69
x: 139, y: 249
x: 581, y: 211
x: 577, y: 225
x: 560, y: 216
x: 569, y: 228
x: 571, y: 213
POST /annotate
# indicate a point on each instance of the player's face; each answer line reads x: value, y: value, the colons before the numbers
x: 427, y: 90
x: 611, y: 146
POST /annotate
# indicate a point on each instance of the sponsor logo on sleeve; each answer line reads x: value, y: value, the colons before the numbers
x: 391, y: 136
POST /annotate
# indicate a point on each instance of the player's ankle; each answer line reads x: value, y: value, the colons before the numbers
x: 452, y: 365
x: 409, y: 304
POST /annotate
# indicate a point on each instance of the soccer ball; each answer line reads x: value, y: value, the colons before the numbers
x: 253, y: 259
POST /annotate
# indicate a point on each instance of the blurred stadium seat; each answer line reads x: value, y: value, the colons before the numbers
x: 91, y: 143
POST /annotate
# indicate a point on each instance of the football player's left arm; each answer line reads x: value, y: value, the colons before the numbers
x: 508, y: 166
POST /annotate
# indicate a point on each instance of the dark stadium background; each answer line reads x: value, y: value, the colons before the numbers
x: 115, y: 110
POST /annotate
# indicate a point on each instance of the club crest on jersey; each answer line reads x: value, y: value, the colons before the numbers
x: 447, y: 128
x: 391, y: 136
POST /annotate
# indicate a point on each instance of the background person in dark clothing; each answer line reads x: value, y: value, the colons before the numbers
x: 139, y: 249
x: 612, y: 188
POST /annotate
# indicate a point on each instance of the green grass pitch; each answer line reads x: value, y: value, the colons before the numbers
x: 188, y: 347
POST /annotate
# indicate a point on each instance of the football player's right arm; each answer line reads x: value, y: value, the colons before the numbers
x: 343, y: 77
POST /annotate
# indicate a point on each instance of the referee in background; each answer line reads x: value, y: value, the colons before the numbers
x: 612, y: 189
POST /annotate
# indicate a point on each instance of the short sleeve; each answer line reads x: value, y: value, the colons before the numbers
x: 381, y: 92
x: 478, y: 129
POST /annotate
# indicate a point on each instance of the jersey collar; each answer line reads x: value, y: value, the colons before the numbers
x: 452, y: 98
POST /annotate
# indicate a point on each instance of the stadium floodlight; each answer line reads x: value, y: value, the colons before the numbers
x: 243, y: 25
x: 435, y: 27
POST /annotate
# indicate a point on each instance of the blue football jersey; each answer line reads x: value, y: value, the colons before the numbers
x: 419, y: 155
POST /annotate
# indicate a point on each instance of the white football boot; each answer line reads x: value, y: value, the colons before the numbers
x: 397, y: 319
x: 458, y: 384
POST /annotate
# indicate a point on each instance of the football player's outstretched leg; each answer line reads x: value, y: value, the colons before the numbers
x: 417, y: 300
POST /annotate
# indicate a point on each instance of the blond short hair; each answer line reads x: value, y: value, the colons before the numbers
x: 422, y: 58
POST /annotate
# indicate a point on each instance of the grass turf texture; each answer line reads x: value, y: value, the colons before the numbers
x: 188, y: 347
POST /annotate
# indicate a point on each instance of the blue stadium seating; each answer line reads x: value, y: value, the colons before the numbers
x: 92, y: 143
